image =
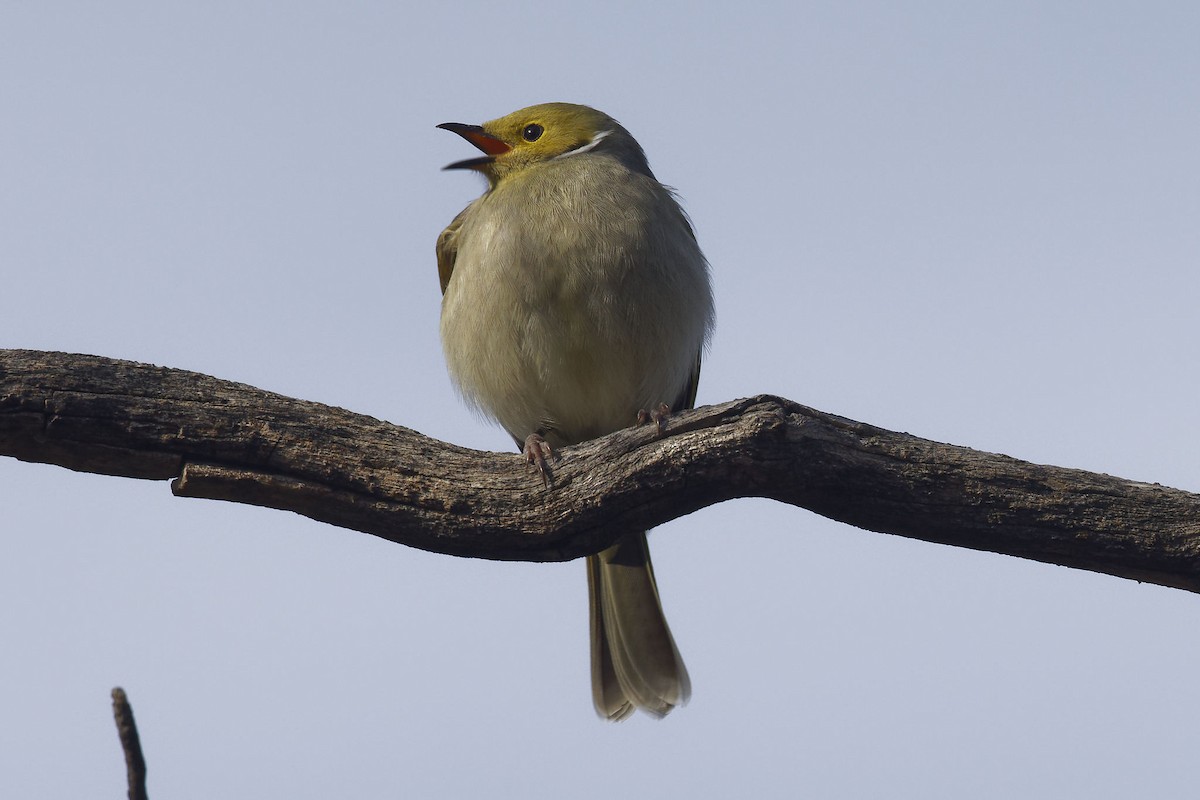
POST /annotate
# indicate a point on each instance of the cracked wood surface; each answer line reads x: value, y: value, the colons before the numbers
x: 229, y: 441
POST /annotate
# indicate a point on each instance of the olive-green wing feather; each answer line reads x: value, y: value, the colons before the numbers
x: 447, y: 249
x: 687, y: 399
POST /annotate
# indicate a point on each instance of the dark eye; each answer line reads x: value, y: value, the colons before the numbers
x: 532, y: 132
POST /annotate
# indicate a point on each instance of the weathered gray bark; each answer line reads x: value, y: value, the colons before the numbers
x: 229, y: 441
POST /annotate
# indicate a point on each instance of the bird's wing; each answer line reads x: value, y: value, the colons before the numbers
x: 447, y: 249
x: 687, y: 398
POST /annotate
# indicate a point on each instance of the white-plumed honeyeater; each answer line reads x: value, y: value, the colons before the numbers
x: 575, y: 297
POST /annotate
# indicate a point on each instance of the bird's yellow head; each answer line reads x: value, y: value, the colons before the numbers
x: 543, y: 133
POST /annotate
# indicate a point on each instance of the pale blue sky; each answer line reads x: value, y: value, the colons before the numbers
x: 979, y: 223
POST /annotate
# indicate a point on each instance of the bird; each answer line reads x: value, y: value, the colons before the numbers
x: 575, y: 300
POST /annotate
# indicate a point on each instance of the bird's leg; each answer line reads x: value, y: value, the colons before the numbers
x: 538, y: 452
x: 658, y: 416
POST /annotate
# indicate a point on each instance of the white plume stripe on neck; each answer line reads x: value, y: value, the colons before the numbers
x: 583, y: 148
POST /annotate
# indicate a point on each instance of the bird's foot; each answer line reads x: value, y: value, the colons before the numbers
x: 658, y: 416
x: 538, y: 453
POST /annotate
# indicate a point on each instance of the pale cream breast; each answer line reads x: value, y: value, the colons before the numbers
x: 576, y: 303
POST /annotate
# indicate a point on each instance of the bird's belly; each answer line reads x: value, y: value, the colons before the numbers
x: 568, y: 325
x: 560, y: 360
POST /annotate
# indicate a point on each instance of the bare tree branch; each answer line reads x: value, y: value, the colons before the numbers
x: 229, y: 441
x: 135, y: 763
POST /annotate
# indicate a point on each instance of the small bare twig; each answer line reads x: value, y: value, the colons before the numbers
x: 135, y: 763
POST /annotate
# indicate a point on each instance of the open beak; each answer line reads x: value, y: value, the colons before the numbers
x: 481, y: 139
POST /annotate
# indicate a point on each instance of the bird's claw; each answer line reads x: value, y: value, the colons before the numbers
x: 538, y: 453
x: 658, y: 415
